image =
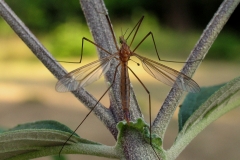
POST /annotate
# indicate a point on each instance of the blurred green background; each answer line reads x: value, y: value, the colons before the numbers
x: 176, y: 26
x: 27, y: 88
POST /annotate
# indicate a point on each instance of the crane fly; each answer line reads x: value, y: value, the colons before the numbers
x: 91, y: 72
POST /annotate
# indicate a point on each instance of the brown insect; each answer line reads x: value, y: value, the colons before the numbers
x: 91, y: 72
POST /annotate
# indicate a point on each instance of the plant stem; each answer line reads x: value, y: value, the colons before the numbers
x: 199, y: 52
x: 81, y: 148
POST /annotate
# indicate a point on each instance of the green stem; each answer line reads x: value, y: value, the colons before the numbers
x: 79, y: 148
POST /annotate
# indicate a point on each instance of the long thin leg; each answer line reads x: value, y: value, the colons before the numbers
x: 137, y: 25
x: 150, y: 115
x: 90, y: 110
x: 150, y: 33
x: 84, y: 38
x: 111, y: 29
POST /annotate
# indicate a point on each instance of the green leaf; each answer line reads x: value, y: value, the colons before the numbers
x: 36, y: 136
x: 193, y: 101
x: 223, y: 100
x: 142, y: 127
x: 59, y: 158
x: 217, y: 104
x: 48, y: 124
x: 2, y: 130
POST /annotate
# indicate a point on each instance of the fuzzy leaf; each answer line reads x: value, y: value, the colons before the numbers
x: 223, y: 100
x: 59, y: 158
x: 219, y: 103
x: 2, y: 130
x: 193, y: 101
x: 35, y: 136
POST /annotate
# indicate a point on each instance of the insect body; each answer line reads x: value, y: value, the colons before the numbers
x: 91, y: 72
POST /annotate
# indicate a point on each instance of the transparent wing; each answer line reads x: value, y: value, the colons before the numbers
x: 84, y: 75
x: 168, y: 75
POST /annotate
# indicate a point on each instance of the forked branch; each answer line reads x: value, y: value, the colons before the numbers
x: 94, y: 12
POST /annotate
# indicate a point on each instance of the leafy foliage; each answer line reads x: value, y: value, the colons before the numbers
x: 193, y: 101
x: 35, y: 136
x: 215, y: 105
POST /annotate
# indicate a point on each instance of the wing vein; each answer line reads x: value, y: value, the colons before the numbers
x: 168, y: 75
x: 84, y: 75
